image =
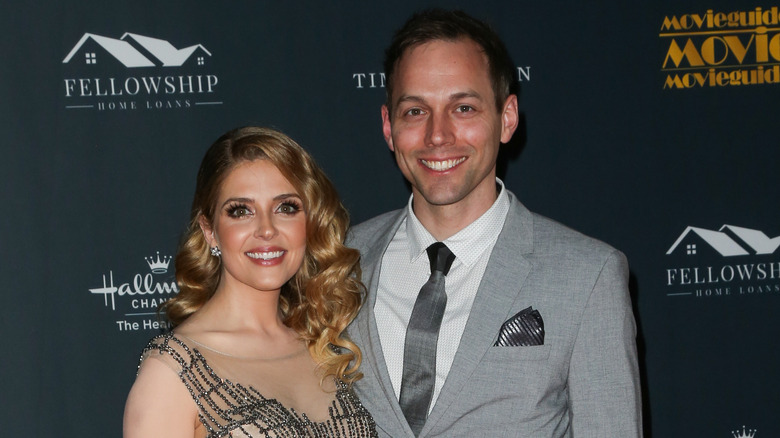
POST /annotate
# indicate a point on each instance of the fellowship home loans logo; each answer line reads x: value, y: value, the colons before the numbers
x: 137, y: 72
x: 134, y: 302
x: 733, y: 261
x: 713, y: 48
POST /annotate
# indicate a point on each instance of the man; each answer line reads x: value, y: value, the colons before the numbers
x: 564, y: 364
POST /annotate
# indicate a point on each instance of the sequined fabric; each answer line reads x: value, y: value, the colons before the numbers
x: 229, y: 409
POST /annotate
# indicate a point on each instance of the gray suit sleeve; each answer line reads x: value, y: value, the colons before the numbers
x: 604, y: 376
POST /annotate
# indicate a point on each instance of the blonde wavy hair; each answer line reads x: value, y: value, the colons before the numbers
x: 324, y: 296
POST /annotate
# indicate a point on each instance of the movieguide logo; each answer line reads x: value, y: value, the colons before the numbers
x: 137, y: 72
x: 732, y: 261
x: 721, y: 49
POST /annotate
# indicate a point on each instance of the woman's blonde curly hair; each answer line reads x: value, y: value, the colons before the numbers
x: 324, y: 296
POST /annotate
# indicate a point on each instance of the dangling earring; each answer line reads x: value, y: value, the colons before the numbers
x: 215, y: 251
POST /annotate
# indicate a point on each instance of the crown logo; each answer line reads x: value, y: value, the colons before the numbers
x: 749, y: 433
x: 158, y: 266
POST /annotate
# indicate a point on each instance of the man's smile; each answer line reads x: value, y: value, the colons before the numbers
x: 441, y: 166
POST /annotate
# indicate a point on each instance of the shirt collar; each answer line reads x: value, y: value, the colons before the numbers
x: 467, y: 244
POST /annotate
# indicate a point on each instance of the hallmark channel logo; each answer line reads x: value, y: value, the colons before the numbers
x: 749, y: 433
x: 721, y: 49
x: 137, y: 72
x: 732, y: 261
x: 134, y: 303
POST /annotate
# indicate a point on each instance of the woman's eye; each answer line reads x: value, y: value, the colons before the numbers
x: 289, y: 208
x: 239, y: 211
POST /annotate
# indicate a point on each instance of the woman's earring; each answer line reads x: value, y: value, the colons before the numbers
x: 215, y: 251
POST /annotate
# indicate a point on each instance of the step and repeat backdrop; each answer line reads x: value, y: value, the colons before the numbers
x: 652, y: 127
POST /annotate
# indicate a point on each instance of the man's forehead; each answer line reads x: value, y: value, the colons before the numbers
x: 461, y: 58
x: 468, y: 45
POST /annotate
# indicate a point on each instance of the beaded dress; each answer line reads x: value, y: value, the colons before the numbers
x: 230, y: 409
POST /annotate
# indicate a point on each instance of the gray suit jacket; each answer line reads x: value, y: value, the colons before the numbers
x: 584, y: 380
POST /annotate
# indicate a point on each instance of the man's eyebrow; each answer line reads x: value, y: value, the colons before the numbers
x: 408, y: 98
x: 470, y: 94
x: 466, y: 95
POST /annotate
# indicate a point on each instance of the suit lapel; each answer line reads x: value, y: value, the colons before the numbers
x: 383, y: 404
x: 500, y: 287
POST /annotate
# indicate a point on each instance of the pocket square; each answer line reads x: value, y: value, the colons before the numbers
x: 524, y: 329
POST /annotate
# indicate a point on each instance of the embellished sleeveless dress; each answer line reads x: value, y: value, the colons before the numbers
x: 230, y: 409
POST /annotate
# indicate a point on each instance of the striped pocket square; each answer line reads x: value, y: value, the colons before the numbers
x: 522, y: 330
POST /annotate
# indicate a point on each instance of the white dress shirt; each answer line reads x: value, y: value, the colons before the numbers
x: 406, y: 268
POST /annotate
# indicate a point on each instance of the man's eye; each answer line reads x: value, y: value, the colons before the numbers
x: 465, y: 108
x: 414, y: 112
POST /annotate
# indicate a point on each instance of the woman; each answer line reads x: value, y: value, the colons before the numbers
x: 266, y: 291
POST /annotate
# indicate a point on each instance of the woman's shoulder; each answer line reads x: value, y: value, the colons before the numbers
x: 158, y: 403
x: 171, y: 349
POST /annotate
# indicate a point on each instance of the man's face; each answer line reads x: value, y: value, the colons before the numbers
x: 445, y: 129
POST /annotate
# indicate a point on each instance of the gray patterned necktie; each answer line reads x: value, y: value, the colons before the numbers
x: 422, y: 335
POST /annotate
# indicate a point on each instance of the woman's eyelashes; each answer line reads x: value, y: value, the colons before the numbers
x: 288, y: 207
x: 238, y: 210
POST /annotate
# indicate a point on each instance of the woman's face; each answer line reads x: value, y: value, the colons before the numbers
x: 260, y: 227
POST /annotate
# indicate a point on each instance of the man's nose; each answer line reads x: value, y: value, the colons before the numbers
x: 440, y: 130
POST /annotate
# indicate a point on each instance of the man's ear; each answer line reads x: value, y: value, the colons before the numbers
x: 208, y: 231
x: 387, y: 128
x: 509, y: 118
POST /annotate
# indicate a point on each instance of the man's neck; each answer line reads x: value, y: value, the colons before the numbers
x: 444, y: 221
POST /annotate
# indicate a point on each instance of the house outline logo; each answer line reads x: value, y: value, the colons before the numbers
x: 728, y: 241
x: 129, y: 51
x: 138, y: 72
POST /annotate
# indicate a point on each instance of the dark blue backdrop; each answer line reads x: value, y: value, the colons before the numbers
x: 98, y: 179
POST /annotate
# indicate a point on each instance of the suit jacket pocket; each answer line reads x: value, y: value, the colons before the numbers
x: 515, y: 354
